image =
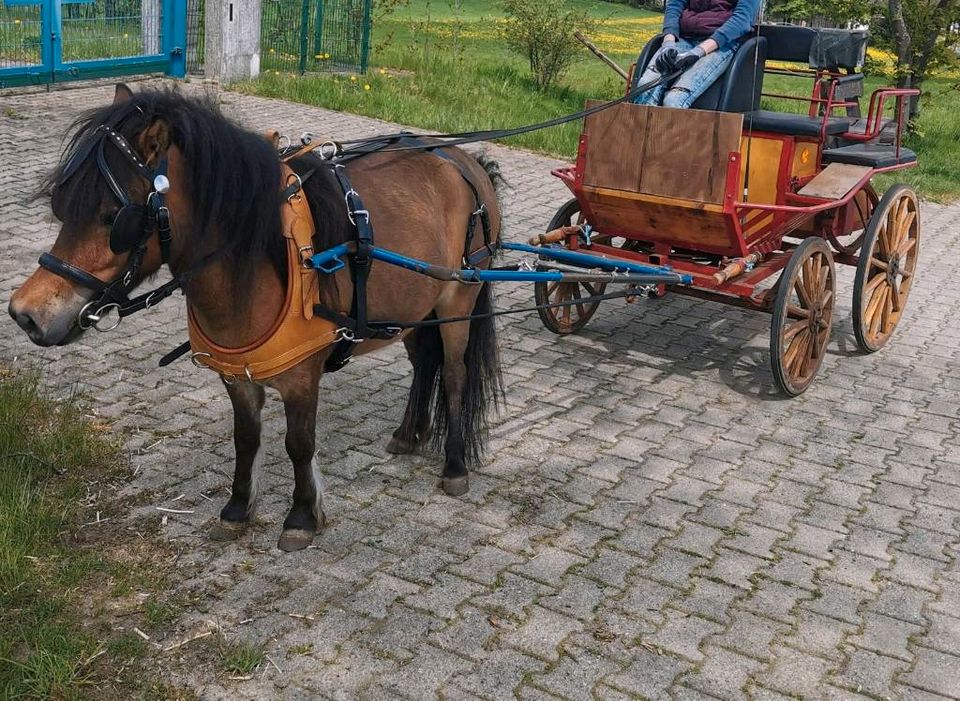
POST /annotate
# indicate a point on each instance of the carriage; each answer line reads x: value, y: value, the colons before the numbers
x: 754, y: 207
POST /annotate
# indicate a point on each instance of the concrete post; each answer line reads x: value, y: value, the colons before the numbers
x: 232, y: 40
x: 150, y: 26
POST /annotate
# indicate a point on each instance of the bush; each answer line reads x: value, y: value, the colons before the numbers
x: 542, y: 30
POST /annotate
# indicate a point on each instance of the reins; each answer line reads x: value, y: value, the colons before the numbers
x: 386, y: 143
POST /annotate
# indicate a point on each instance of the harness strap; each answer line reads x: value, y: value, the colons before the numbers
x: 71, y: 272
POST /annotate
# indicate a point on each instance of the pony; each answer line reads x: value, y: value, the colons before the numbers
x: 223, y: 194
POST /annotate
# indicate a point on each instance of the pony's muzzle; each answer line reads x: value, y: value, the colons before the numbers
x: 46, y: 309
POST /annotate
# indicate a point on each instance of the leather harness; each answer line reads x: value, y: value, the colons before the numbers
x: 296, y: 333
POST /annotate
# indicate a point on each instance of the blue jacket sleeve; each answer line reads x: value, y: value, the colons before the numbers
x: 737, y: 26
x: 671, y: 16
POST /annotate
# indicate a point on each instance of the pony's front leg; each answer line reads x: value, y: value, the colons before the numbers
x: 247, y: 399
x: 306, y: 517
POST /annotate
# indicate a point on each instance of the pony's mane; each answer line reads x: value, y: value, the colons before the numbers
x: 233, y: 176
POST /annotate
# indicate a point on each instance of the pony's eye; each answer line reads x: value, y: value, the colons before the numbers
x: 107, y: 218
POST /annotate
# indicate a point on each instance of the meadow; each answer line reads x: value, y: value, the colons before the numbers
x: 446, y: 66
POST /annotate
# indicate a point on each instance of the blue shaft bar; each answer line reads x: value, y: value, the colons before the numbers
x: 589, y: 260
x: 331, y: 260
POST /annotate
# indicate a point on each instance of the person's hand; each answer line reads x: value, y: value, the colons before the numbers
x: 683, y: 61
x: 666, y: 57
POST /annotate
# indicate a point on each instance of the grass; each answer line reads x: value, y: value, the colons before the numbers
x: 54, y: 644
x: 436, y: 68
x: 241, y: 657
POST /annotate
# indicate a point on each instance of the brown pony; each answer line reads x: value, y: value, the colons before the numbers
x: 224, y: 203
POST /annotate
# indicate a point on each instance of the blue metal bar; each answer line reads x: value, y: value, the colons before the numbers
x: 588, y: 260
x: 175, y: 37
x: 331, y: 260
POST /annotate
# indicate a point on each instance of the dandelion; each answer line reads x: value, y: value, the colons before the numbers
x: 326, y: 56
x: 16, y: 21
x: 271, y: 51
x: 383, y: 71
x: 366, y: 86
x: 353, y: 79
x: 126, y: 36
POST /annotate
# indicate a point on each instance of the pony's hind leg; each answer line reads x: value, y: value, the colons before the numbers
x: 247, y: 399
x: 471, y: 381
x: 424, y: 349
x: 306, y: 517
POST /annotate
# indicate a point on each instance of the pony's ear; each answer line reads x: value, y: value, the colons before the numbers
x: 122, y: 94
x: 155, y: 140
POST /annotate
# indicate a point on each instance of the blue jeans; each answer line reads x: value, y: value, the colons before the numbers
x: 691, y: 84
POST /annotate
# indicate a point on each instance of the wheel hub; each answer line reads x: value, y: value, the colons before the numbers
x: 816, y: 318
x: 893, y: 268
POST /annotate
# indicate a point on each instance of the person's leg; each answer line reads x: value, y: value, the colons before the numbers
x: 700, y: 76
x: 654, y: 96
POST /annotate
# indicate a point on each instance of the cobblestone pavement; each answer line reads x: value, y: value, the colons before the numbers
x: 651, y: 520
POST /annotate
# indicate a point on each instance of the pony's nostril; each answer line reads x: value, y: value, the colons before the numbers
x: 25, y: 321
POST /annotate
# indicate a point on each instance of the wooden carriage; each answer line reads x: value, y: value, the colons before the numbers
x: 735, y: 195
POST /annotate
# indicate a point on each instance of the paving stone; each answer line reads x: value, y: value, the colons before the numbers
x: 869, y: 672
x: 682, y: 634
x: 542, y: 634
x: 723, y: 673
x: 935, y: 672
x: 650, y: 675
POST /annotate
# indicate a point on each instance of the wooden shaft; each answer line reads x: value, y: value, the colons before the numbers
x: 599, y: 54
x: 737, y: 267
x: 554, y: 236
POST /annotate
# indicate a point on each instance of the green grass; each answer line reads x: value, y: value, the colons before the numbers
x: 49, y: 454
x: 437, y: 69
x: 241, y: 658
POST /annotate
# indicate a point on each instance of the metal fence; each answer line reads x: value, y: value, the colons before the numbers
x: 46, y: 41
x: 195, y: 35
x: 315, y: 35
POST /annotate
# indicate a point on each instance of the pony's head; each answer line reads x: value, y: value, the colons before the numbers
x: 219, y: 185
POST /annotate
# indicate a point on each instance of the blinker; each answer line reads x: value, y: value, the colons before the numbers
x: 128, y: 228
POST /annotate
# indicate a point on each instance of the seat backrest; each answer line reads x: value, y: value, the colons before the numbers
x: 786, y: 42
x: 737, y: 90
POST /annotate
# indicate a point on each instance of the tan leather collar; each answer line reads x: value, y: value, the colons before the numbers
x: 295, y: 334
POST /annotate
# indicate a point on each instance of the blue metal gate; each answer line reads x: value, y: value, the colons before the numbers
x: 52, y: 41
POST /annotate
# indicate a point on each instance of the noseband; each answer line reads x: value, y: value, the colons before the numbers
x: 130, y: 231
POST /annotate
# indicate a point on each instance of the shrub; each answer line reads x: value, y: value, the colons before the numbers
x: 542, y: 31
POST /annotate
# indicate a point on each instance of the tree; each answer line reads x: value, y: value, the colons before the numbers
x: 542, y: 30
x: 922, y: 34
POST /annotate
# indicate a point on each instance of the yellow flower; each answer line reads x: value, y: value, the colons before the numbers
x: 383, y: 71
x: 366, y: 86
x: 126, y: 36
x: 318, y: 56
x: 16, y: 21
x: 353, y: 79
x: 271, y: 51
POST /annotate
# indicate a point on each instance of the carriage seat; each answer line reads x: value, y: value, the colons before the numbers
x: 737, y: 90
x: 872, y: 155
x: 794, y: 124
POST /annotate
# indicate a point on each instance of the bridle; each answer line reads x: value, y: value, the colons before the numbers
x: 130, y: 231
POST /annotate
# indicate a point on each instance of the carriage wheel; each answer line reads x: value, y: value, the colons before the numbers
x: 802, y: 316
x: 885, y: 273
x: 564, y: 320
x: 865, y: 202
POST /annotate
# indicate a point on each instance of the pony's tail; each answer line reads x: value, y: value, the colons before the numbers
x: 483, y: 385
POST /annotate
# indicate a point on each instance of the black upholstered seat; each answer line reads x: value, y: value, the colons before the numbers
x: 872, y: 155
x: 737, y: 90
x: 793, y: 124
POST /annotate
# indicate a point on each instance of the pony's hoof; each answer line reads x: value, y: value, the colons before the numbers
x: 456, y: 486
x: 398, y: 446
x: 223, y: 531
x: 293, y: 539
